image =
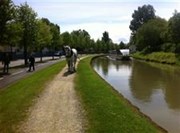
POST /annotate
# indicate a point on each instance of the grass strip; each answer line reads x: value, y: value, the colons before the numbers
x: 106, y: 110
x: 16, y: 99
x: 161, y: 57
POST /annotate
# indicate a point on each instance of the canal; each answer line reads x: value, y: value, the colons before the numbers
x: 153, y: 88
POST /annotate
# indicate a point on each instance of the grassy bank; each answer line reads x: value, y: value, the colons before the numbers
x: 107, y: 111
x: 18, y: 97
x: 161, y: 57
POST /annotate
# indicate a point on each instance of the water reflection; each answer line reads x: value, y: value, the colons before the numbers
x: 154, y: 89
x: 144, y: 81
x: 103, y: 64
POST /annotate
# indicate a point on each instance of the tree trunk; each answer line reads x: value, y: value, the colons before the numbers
x: 25, y: 54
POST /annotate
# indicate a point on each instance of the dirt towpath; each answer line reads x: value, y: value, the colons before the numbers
x: 57, y: 110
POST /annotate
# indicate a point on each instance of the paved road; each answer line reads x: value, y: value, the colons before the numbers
x: 17, y: 73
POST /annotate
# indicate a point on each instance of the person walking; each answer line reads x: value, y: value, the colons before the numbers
x: 31, y: 62
x: 6, y: 62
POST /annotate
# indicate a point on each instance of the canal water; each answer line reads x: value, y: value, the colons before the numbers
x: 153, y: 88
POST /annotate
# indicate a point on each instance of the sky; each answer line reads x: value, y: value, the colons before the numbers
x: 97, y: 16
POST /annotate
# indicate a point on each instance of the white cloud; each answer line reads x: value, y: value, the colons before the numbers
x: 97, y: 16
x: 116, y: 31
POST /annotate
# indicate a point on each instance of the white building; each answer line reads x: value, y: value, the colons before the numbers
x: 125, y: 52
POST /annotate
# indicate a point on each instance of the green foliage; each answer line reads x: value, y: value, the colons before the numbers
x: 7, y: 14
x: 174, y: 26
x: 177, y: 50
x: 106, y: 110
x: 157, y: 35
x: 16, y: 99
x: 27, y: 18
x: 105, y: 37
x: 66, y: 37
x: 149, y: 36
x: 55, y: 41
x: 168, y: 47
x: 122, y: 45
x: 44, y: 34
x: 81, y: 40
x: 161, y: 57
x: 14, y: 33
x: 140, y: 16
x: 24, y: 30
x: 106, y: 40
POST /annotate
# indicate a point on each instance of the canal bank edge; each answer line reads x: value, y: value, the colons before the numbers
x: 133, y: 107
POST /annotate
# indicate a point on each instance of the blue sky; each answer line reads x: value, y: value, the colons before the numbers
x: 97, y: 16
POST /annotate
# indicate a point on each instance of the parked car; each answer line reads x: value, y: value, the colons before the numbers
x: 59, y: 53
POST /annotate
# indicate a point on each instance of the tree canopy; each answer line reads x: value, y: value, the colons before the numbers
x: 7, y: 13
x: 141, y: 16
x: 149, y: 36
x: 174, y: 27
x: 21, y: 27
x: 27, y: 18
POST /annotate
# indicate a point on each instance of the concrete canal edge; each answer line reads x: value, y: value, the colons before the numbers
x: 133, y: 107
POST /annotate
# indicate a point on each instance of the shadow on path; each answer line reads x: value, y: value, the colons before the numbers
x: 67, y: 73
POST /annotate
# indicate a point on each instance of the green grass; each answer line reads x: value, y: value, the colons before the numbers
x: 106, y: 110
x: 16, y: 99
x: 161, y: 57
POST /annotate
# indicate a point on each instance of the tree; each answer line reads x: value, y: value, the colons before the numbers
x: 27, y: 17
x: 44, y: 35
x: 99, y: 46
x: 55, y: 41
x: 13, y: 34
x: 79, y: 39
x: 66, y: 38
x: 106, y: 40
x: 122, y: 45
x: 174, y: 30
x: 105, y: 37
x: 141, y: 16
x: 55, y: 31
x: 149, y: 36
x: 7, y: 12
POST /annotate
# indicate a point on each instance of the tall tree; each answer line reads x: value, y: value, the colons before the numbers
x: 80, y: 38
x: 66, y: 38
x: 44, y: 35
x: 106, y: 40
x: 149, y: 36
x: 141, y: 16
x: 55, y: 31
x: 7, y: 12
x: 174, y: 30
x: 99, y: 46
x: 14, y: 33
x: 105, y: 37
x: 122, y: 45
x: 27, y: 17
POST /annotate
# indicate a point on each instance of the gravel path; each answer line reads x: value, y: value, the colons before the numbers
x: 57, y: 109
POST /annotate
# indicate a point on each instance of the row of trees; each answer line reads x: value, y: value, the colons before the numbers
x: 151, y: 33
x: 21, y: 27
x: 81, y: 40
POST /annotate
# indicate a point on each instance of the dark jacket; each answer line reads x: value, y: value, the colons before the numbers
x: 31, y: 59
x: 6, y: 59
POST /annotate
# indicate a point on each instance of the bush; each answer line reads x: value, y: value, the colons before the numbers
x: 162, y: 57
x: 168, y: 47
